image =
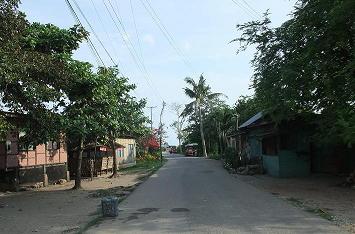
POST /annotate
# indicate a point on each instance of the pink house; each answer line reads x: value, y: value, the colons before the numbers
x: 45, y: 163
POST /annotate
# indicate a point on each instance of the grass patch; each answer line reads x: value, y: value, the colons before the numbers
x: 295, y: 202
x: 320, y: 212
x: 117, y: 192
x: 143, y: 166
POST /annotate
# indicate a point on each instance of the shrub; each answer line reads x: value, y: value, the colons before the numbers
x: 230, y: 157
x: 215, y: 156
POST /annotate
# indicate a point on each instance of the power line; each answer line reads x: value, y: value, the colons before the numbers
x: 167, y: 35
x: 107, y: 34
x: 251, y: 8
x: 93, y: 31
x: 136, y: 30
x: 245, y: 10
x: 112, y: 44
x: 91, y: 45
x: 129, y: 46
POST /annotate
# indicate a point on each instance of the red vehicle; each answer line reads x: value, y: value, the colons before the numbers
x: 191, y: 149
x: 172, y: 150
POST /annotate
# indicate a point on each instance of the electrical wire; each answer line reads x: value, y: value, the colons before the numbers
x: 130, y: 47
x: 251, y: 8
x: 94, y: 33
x: 245, y: 10
x: 156, y: 19
x: 108, y: 36
x: 136, y: 30
x: 91, y: 45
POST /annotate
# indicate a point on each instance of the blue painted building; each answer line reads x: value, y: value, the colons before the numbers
x: 286, y: 149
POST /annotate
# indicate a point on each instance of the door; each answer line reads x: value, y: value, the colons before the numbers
x: 131, y: 155
x: 2, y: 155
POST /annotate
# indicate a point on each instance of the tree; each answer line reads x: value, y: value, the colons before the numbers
x: 33, y: 69
x: 246, y: 107
x: 122, y: 113
x: 201, y: 94
x: 101, y: 107
x: 81, y: 119
x: 307, y: 65
x: 178, y: 124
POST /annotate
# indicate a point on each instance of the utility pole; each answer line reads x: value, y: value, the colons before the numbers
x: 161, y: 132
x: 176, y: 108
x: 151, y: 116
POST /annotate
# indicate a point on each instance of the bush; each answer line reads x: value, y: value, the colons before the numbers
x: 149, y: 156
x: 230, y: 157
x: 215, y: 156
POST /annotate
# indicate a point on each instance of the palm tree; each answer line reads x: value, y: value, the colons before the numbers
x: 201, y: 94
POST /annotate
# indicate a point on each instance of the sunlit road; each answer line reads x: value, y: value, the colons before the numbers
x: 195, y: 195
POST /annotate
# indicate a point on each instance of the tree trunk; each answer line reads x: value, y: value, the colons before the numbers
x: 180, y: 151
x: 202, y: 133
x: 78, y: 165
x: 92, y: 162
x: 114, y: 166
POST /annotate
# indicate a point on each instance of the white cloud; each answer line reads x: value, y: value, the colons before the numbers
x: 149, y: 39
x: 187, y: 46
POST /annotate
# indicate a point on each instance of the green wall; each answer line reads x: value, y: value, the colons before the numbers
x: 286, y: 164
x: 255, y: 146
x: 293, y: 165
x: 271, y: 165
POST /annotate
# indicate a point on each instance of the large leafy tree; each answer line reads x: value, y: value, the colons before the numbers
x: 34, y: 69
x: 307, y: 65
x: 80, y: 119
x: 202, y: 95
x: 246, y: 107
x: 101, y: 107
x: 122, y: 113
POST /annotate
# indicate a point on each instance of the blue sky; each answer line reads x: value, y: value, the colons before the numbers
x: 201, y: 30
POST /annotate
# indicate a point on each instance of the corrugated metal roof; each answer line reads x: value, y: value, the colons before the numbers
x: 252, y: 120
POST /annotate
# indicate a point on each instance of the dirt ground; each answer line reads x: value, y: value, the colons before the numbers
x: 321, y: 194
x: 58, y: 209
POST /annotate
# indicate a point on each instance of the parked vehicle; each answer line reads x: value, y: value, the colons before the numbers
x: 191, y: 149
x: 172, y: 150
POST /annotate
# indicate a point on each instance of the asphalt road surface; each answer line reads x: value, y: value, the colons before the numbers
x: 196, y: 195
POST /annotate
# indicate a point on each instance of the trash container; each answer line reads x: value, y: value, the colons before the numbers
x: 109, y: 206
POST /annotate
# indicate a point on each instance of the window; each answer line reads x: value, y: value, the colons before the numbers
x: 26, y: 147
x: 52, y: 145
x: 269, y: 145
x: 8, y: 147
x: 119, y: 152
x: 130, y: 149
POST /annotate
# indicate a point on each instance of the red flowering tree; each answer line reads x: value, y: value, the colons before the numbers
x: 151, y: 141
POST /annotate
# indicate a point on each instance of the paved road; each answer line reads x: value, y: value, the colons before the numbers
x: 195, y: 195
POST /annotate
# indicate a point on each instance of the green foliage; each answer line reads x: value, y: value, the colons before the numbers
x: 246, y: 107
x: 48, y: 38
x: 149, y: 156
x: 57, y: 94
x: 34, y: 70
x: 230, y: 158
x: 100, y: 105
x: 215, y: 156
x: 4, y: 128
x: 202, y: 97
x: 307, y: 65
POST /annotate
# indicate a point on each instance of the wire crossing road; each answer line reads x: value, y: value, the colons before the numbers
x: 196, y: 195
